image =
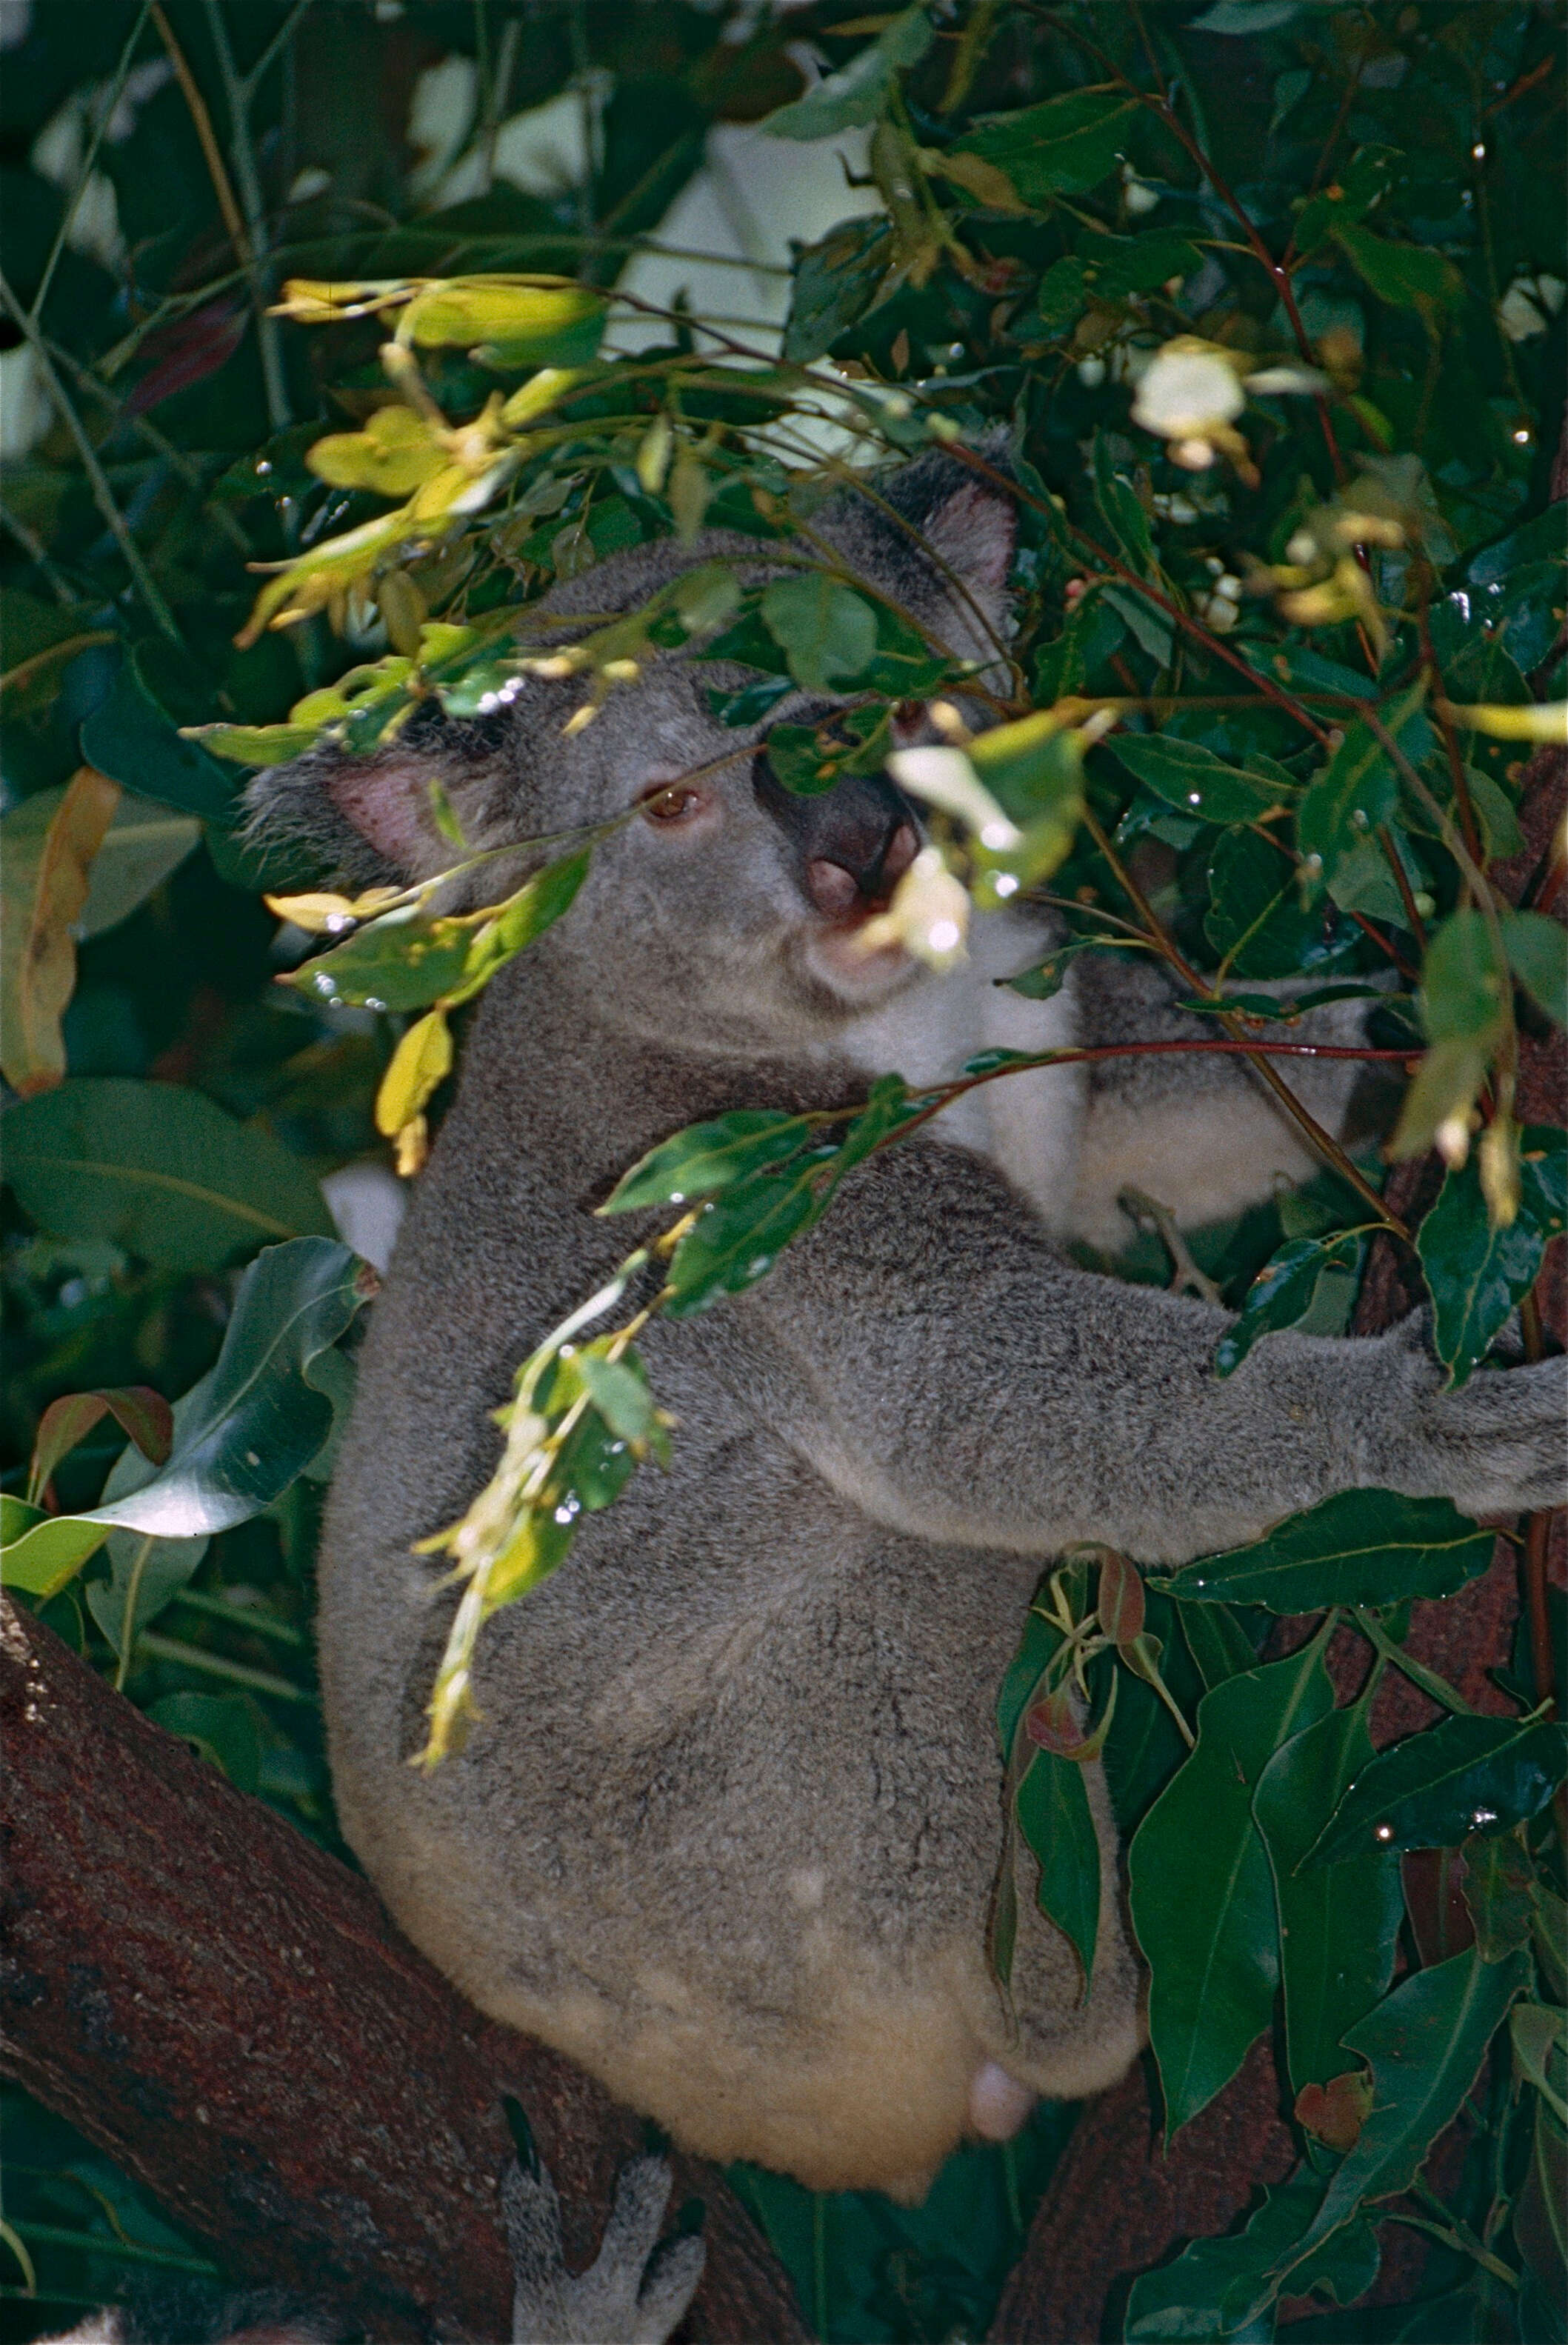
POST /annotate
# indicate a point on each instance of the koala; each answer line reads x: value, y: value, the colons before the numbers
x: 727, y: 1827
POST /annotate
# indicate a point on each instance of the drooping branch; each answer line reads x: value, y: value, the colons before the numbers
x: 228, y: 2012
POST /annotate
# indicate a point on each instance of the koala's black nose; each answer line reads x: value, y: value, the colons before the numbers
x: 855, y: 840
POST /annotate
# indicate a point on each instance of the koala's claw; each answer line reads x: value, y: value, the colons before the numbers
x: 633, y: 2293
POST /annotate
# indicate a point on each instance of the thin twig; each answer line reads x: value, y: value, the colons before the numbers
x: 254, y: 242
x: 212, y: 154
x: 107, y: 106
x: 103, y: 495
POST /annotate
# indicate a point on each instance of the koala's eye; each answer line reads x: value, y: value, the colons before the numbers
x: 673, y: 803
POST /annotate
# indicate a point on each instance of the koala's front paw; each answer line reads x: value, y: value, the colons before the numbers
x: 629, y: 2295
x: 1501, y: 1443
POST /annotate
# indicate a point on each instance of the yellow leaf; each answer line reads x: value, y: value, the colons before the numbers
x: 46, y: 874
x: 540, y: 393
x: 653, y: 456
x: 323, y: 300
x: 977, y: 178
x: 422, y: 1060
x: 480, y: 310
x: 1532, y: 720
x: 316, y: 579
x: 395, y: 454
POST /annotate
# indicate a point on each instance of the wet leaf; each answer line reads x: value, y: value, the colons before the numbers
x: 407, y: 961
x: 709, y: 1157
x: 1188, y: 2299
x: 1477, y: 1271
x: 1202, y: 1900
x: 158, y: 1169
x: 1361, y: 1547
x: 242, y: 1435
x: 1355, y: 795
x: 1256, y: 923
x: 1338, y: 1923
x: 1462, y: 1775
x: 1199, y: 783
x: 738, y: 1236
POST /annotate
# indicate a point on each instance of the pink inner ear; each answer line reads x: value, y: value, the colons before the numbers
x: 388, y: 803
x: 973, y: 531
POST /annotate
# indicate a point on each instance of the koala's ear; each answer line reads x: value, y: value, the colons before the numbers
x: 968, y: 524
x: 370, y: 821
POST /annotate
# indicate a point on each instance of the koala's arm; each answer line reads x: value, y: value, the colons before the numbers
x: 945, y: 1368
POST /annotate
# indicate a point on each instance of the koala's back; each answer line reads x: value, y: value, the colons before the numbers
x: 727, y: 1827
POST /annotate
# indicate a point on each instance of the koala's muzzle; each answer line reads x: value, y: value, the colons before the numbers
x: 855, y: 841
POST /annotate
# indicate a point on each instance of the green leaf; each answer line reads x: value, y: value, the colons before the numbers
x: 1256, y: 922
x: 1537, y: 949
x: 1424, y: 2044
x: 405, y: 961
x: 1462, y: 1775
x: 1407, y: 275
x: 242, y: 1435
x: 142, y: 846
x: 827, y: 632
x: 145, y: 1574
x: 1117, y: 266
x: 1284, y: 1291
x: 1357, y: 188
x: 1040, y: 984
x: 859, y: 91
x: 1361, y: 1547
x: 738, y: 1236
x: 1202, y: 1894
x: 1355, y: 794
x: 1219, y: 1645
x: 221, y: 1726
x: 836, y: 282
x: 1054, y: 1817
x: 1187, y: 2300
x: 1540, y: 2038
x: 1062, y: 147
x: 158, y: 1169
x: 1338, y: 1923
x: 1476, y: 1272
x: 130, y: 737
x: 707, y: 1157
x: 1122, y: 510
x: 1498, y: 1886
x: 1193, y: 779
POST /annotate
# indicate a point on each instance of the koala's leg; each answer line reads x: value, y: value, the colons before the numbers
x: 635, y: 2292
x: 1202, y: 1135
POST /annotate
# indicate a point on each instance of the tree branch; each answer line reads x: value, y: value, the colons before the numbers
x: 228, y: 2012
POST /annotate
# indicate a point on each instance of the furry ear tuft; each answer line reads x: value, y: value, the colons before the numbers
x: 967, y: 523
x: 368, y: 821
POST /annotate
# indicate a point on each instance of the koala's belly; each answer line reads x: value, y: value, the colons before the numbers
x: 741, y: 1877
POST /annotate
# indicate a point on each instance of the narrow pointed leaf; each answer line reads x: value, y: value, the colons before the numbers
x: 1460, y: 1776
x: 1361, y: 1547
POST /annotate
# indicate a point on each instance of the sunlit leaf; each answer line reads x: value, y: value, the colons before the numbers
x: 709, y: 1157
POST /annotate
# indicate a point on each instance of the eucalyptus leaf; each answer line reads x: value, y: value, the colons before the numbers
x: 159, y: 1170
x: 1462, y: 1775
x: 836, y: 282
x: 1537, y: 949
x: 1054, y: 1818
x: 1064, y: 146
x: 1198, y: 781
x: 1360, y: 1547
x: 1338, y: 1923
x: 1284, y: 1291
x: 1186, y: 2300
x: 1476, y: 1270
x: 709, y: 1157
x: 242, y: 1435
x: 827, y: 632
x: 859, y: 91
x: 1203, y: 1901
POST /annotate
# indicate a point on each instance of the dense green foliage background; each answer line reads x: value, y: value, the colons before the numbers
x: 1315, y: 579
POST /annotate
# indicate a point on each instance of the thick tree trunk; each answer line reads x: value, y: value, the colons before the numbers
x: 228, y: 2012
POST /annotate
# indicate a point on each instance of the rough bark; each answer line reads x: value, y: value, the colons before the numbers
x: 228, y: 2012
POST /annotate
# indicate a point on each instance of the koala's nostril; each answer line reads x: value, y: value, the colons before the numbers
x: 830, y: 886
x: 902, y: 850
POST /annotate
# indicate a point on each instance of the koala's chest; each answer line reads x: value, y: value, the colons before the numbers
x: 1028, y: 1125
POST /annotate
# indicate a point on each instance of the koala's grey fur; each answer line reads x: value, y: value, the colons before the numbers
x: 727, y: 1827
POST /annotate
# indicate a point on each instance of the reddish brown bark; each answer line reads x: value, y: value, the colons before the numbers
x: 230, y: 2014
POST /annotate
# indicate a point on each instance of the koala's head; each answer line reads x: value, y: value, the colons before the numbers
x: 727, y: 910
